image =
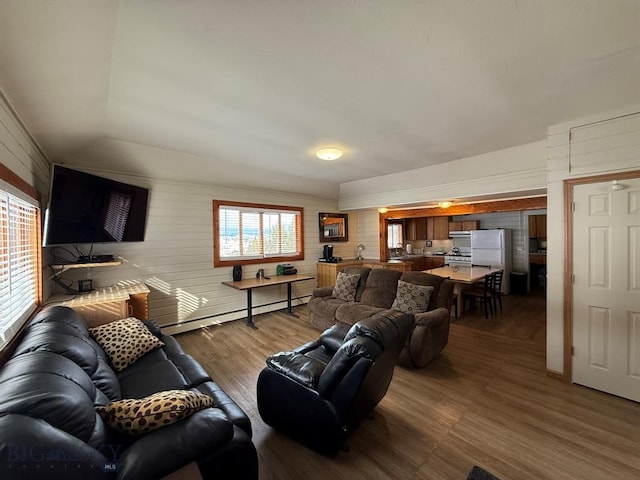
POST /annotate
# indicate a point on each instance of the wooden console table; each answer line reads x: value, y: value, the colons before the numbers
x: 250, y: 283
x: 107, y: 304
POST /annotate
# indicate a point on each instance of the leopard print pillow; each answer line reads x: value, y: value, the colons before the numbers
x: 125, y: 341
x: 138, y: 416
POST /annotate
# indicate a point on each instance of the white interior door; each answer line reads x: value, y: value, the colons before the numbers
x: 606, y: 291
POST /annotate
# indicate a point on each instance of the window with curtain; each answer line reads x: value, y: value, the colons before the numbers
x: 394, y: 235
x: 255, y: 233
x: 19, y: 259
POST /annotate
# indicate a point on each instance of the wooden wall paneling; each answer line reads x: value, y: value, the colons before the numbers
x: 532, y: 203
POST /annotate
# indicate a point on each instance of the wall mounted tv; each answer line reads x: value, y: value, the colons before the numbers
x: 85, y: 208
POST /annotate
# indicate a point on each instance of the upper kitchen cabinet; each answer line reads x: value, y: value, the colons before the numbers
x: 428, y: 228
x: 463, y: 226
x: 440, y: 228
x: 537, y: 226
x: 417, y: 228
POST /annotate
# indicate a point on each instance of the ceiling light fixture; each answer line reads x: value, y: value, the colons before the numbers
x: 445, y: 204
x: 329, y: 153
x: 383, y: 210
x: 616, y: 186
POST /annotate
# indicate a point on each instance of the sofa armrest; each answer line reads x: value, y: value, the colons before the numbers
x: 433, y: 317
x: 429, y: 336
x: 298, y: 367
x: 322, y: 292
x: 31, y: 448
x: 162, y: 451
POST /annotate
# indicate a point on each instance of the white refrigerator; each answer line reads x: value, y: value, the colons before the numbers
x: 493, y: 248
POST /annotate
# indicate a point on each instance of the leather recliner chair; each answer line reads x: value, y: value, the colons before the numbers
x: 319, y: 393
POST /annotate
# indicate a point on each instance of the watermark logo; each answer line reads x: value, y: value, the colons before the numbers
x: 24, y: 456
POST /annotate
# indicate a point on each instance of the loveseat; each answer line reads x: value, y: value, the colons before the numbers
x: 376, y: 290
x: 320, y: 392
x: 57, y: 381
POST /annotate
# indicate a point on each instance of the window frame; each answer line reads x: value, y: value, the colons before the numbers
x: 259, y: 208
x: 16, y: 187
x: 395, y: 224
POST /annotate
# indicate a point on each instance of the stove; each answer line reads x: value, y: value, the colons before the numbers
x: 459, y: 260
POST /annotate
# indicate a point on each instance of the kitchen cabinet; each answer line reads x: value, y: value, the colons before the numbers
x: 417, y: 228
x: 327, y: 272
x: 440, y: 228
x: 464, y: 226
x: 427, y: 228
x: 429, y: 225
x: 433, y: 262
x: 538, y: 258
x: 401, y: 267
x: 419, y: 263
x: 537, y: 226
x: 421, y: 228
x: 471, y: 225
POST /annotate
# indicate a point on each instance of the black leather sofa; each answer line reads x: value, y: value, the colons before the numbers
x: 319, y: 393
x: 58, y: 375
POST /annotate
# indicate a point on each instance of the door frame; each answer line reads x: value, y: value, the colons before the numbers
x: 569, y: 184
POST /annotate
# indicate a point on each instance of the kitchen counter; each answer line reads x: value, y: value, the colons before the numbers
x: 327, y: 272
x: 420, y: 255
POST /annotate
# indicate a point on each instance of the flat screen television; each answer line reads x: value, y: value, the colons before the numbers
x: 86, y: 208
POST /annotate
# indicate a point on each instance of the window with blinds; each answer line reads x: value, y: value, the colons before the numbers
x: 19, y: 260
x: 255, y: 233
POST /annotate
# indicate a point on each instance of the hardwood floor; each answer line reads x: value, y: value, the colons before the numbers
x: 486, y: 401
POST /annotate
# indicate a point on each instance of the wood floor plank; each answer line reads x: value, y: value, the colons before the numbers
x: 486, y: 400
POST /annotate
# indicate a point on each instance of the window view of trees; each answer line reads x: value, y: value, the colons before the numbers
x: 257, y: 232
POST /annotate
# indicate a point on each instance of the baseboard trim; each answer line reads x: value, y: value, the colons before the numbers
x: 558, y: 375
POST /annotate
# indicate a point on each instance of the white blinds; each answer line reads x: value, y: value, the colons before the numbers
x: 247, y: 233
x: 19, y: 246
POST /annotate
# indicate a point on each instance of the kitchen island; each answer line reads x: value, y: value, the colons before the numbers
x: 327, y: 272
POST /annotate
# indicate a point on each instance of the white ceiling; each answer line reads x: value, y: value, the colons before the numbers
x: 243, y: 92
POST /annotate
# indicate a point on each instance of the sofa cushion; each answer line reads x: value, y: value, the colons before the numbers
x: 53, y: 388
x: 73, y: 343
x: 380, y: 290
x: 346, y: 285
x: 412, y: 298
x: 332, y: 338
x: 152, y: 373
x: 350, y: 313
x: 125, y: 341
x: 137, y: 416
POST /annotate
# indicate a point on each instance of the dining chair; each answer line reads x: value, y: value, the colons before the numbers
x: 483, y: 293
x: 497, y: 290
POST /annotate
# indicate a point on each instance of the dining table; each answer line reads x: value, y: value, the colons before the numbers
x: 461, y: 277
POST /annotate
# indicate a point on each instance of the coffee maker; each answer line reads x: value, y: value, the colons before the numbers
x: 327, y: 254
